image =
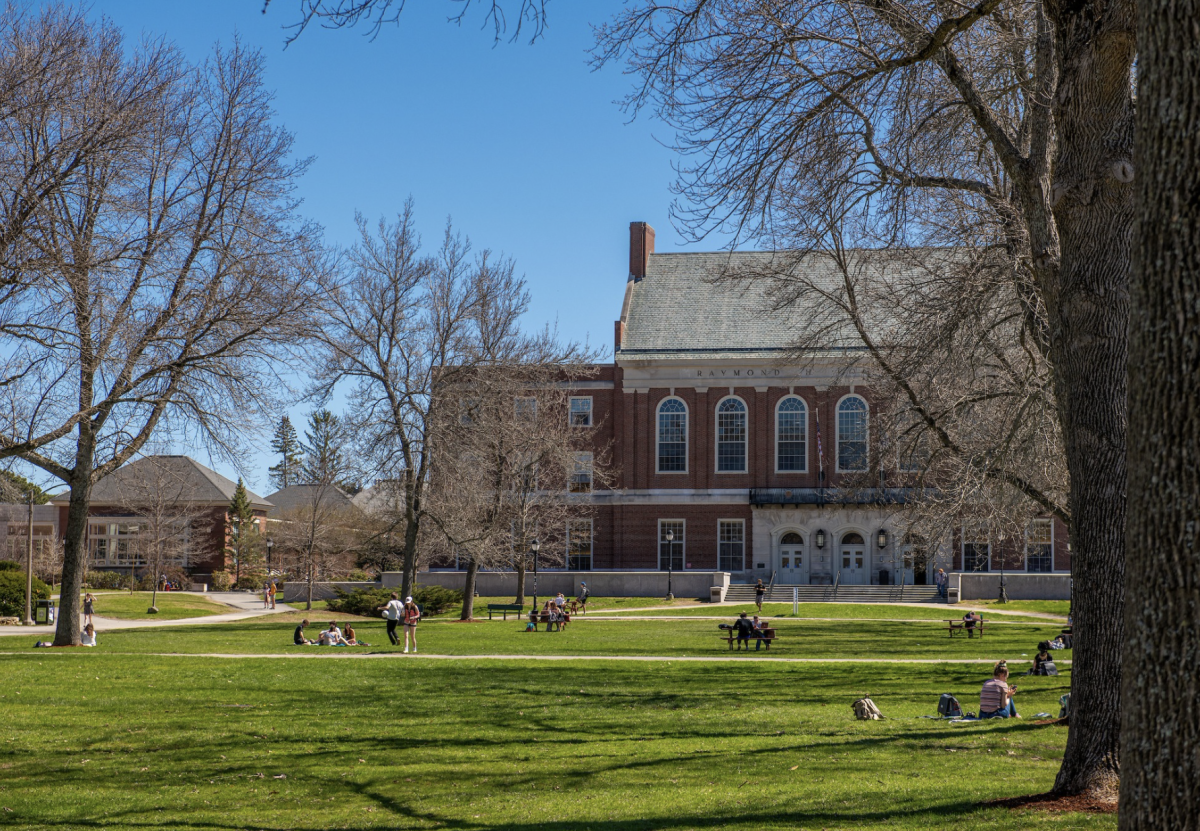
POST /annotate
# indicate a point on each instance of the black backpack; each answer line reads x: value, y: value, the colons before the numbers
x: 949, y: 707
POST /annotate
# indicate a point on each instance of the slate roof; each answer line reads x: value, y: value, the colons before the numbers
x: 196, y: 483
x: 303, y: 496
x: 679, y: 310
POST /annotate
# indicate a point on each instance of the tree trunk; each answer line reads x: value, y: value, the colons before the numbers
x: 520, y: 566
x: 410, y: 558
x: 468, y: 607
x: 1088, y: 309
x: 311, y: 575
x: 1160, y: 734
x: 67, y: 629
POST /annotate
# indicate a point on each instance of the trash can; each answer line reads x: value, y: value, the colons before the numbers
x: 43, y: 613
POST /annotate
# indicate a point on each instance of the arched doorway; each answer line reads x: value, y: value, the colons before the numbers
x: 793, y: 562
x: 853, y: 560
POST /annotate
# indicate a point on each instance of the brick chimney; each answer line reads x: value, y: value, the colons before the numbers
x: 641, y: 246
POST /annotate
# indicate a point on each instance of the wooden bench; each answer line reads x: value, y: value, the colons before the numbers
x: 768, y: 635
x: 505, y: 608
x: 957, y: 627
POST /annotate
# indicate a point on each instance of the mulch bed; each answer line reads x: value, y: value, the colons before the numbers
x: 1054, y: 804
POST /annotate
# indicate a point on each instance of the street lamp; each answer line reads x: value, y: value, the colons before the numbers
x: 670, y: 562
x: 29, y: 564
x: 1003, y: 583
x: 534, y: 548
x: 270, y: 545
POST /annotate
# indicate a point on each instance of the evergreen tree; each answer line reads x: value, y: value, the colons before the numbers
x: 287, y: 444
x: 241, y: 533
x: 324, y: 449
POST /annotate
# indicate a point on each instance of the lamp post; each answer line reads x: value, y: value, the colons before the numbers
x: 29, y: 564
x: 534, y: 548
x: 670, y: 562
x: 270, y: 545
x: 1003, y: 583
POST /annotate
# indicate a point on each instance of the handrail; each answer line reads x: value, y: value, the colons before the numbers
x: 831, y: 593
x: 771, y: 585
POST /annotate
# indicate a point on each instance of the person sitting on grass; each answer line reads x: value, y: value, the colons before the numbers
x: 995, y: 699
x: 744, y: 628
x: 1041, y: 658
x: 351, y: 640
x: 298, y: 639
x: 88, y: 637
x: 332, y: 636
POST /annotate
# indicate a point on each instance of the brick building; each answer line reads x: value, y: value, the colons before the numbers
x: 730, y: 459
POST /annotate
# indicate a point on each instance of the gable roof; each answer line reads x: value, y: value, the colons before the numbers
x: 682, y: 309
x: 303, y: 496
x: 197, y: 483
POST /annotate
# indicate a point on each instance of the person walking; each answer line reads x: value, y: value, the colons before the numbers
x: 392, y: 613
x: 582, y: 598
x: 89, y: 604
x: 411, y: 616
x: 940, y: 579
x: 759, y: 591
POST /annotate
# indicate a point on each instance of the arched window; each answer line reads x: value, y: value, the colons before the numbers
x: 852, y: 434
x: 672, y: 436
x: 791, y: 436
x: 792, y: 538
x: 731, y: 436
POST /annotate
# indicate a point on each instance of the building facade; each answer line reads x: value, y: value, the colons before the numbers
x: 730, y: 458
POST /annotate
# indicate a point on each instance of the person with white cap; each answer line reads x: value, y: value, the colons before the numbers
x: 411, y: 616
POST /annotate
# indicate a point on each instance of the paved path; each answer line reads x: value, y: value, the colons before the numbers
x: 321, y: 653
x: 245, y: 606
x: 955, y: 610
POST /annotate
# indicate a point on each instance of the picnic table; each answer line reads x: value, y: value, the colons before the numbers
x: 765, y: 635
x: 957, y: 626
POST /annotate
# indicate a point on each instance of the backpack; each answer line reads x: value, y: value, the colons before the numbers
x: 865, y: 710
x: 1065, y: 703
x: 1048, y: 668
x: 949, y: 707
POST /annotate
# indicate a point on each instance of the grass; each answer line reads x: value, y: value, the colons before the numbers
x: 595, y: 604
x: 171, y: 606
x: 860, y: 640
x: 1051, y: 607
x: 94, y: 740
x: 848, y: 611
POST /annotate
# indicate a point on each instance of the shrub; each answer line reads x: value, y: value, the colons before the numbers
x: 220, y: 581
x: 9, y: 565
x: 12, y: 592
x: 433, y: 600
x: 107, y: 580
x: 436, y: 599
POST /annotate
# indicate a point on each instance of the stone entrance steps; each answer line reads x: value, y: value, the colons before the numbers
x: 744, y: 593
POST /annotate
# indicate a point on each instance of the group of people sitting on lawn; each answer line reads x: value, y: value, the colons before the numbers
x: 996, y: 697
x: 333, y: 636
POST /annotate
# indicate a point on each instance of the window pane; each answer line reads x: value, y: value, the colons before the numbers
x: 581, y: 412
x: 579, y: 545
x: 731, y: 535
x: 852, y: 435
x: 670, y: 553
x: 1039, y: 546
x: 731, y: 436
x: 791, y: 429
x: 672, y: 436
x: 581, y: 474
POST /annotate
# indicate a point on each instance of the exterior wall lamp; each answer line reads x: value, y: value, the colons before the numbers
x: 820, y: 538
x: 881, y: 540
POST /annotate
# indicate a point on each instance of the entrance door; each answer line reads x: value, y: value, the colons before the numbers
x: 793, y: 562
x: 853, y: 560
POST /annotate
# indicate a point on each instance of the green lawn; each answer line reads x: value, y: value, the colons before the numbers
x: 680, y: 638
x: 1051, y: 607
x: 95, y: 740
x: 849, y: 611
x: 171, y: 606
x: 595, y: 604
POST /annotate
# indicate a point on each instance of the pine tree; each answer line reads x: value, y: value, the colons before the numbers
x: 324, y: 449
x: 241, y: 533
x: 287, y: 444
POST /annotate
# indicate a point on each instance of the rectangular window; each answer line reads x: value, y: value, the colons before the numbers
x: 579, y: 545
x: 526, y: 408
x: 672, y: 437
x: 1039, y: 546
x: 581, y: 411
x: 791, y: 443
x: 670, y: 544
x: 581, y: 474
x: 731, y: 537
x: 976, y: 550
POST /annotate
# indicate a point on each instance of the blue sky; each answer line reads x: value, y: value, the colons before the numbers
x: 522, y: 145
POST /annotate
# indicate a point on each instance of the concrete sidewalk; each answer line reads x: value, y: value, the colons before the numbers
x: 244, y: 605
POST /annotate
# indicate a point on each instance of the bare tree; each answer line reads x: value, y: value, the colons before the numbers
x: 168, y: 279
x: 1160, y: 734
x: 400, y: 323
x: 886, y: 116
x: 512, y: 466
x: 317, y: 535
x: 526, y: 15
x: 171, y: 528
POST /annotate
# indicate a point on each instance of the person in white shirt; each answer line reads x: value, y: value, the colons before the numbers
x: 88, y: 638
x: 392, y: 613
